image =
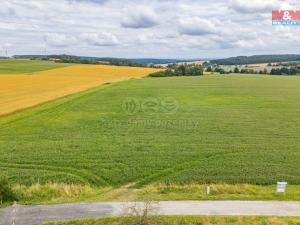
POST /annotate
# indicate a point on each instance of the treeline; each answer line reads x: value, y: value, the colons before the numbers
x: 236, y: 70
x: 156, y: 61
x: 94, y: 60
x: 285, y: 71
x: 85, y: 60
x: 180, y: 70
x: 239, y: 60
x: 275, y: 71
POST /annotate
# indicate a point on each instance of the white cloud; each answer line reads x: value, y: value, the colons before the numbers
x: 59, y: 40
x: 257, y: 6
x: 5, y: 46
x: 90, y: 1
x: 142, y: 28
x: 6, y: 9
x: 140, y: 17
x: 15, y: 26
x: 100, y: 39
x: 249, y: 44
x: 196, y: 26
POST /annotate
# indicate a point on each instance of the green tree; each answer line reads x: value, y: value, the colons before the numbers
x: 180, y: 70
x: 236, y: 70
x: 293, y: 71
x: 209, y: 69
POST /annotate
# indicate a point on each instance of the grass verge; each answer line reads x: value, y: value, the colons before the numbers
x: 53, y: 193
x: 188, y: 220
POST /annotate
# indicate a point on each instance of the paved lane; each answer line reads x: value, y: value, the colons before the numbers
x: 34, y: 215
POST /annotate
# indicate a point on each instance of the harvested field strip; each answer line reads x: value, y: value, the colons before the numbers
x: 24, y: 91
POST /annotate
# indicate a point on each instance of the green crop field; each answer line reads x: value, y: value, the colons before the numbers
x: 17, y: 66
x: 231, y: 129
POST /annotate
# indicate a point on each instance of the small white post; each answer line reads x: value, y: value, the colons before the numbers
x: 208, y: 189
x: 281, y: 186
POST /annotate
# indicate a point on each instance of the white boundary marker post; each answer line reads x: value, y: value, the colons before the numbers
x: 281, y: 186
x: 208, y: 189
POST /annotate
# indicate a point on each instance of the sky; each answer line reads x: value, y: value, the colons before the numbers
x: 146, y: 28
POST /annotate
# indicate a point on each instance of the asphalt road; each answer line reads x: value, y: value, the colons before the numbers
x: 34, y: 215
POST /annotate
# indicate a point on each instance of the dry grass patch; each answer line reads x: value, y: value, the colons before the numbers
x: 62, y: 193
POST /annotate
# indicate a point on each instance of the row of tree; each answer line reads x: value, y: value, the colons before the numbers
x: 180, y: 70
x: 285, y: 71
x: 85, y: 60
x: 274, y: 71
x: 94, y: 60
x: 241, y: 60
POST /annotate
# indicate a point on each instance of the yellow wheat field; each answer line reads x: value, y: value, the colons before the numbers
x: 26, y: 90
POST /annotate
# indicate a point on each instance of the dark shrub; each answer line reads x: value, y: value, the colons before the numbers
x: 6, y: 192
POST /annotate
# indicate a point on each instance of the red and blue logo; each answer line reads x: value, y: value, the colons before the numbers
x: 286, y: 17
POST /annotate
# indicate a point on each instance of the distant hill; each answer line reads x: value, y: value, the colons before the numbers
x: 156, y: 61
x: 112, y: 60
x: 84, y: 59
x: 256, y: 59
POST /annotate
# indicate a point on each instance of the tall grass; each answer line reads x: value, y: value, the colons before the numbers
x: 54, y: 193
x: 61, y: 193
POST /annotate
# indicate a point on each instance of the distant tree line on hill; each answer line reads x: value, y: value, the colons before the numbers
x: 294, y: 70
x: 85, y: 60
x: 157, y: 61
x: 142, y: 62
x: 239, y: 60
x: 94, y: 60
x: 180, y: 70
x: 285, y: 71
